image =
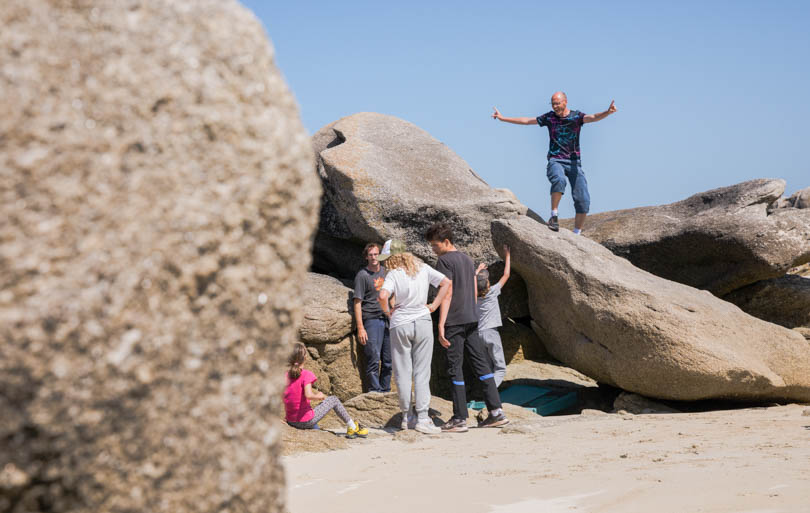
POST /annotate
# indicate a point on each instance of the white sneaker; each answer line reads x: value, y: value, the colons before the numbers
x: 427, y: 427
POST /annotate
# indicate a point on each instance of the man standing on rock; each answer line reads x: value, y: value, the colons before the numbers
x: 372, y: 324
x: 458, y: 331
x: 563, y: 154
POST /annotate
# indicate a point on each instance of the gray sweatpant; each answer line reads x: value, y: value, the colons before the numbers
x: 492, y: 341
x: 411, y: 354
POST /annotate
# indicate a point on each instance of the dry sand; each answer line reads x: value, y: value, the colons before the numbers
x: 753, y: 461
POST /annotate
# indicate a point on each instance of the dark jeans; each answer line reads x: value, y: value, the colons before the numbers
x: 464, y: 340
x: 378, y: 355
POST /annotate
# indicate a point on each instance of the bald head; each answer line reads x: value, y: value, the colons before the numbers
x: 559, y: 95
x: 559, y: 103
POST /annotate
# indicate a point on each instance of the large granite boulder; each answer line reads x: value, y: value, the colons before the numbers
x: 328, y: 310
x: 784, y: 301
x: 719, y: 240
x: 801, y: 199
x: 628, y: 328
x: 386, y: 178
x: 156, y: 215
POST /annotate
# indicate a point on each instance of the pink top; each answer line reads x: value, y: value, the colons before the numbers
x: 295, y: 401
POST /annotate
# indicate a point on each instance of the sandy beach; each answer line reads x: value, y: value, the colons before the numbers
x: 754, y: 460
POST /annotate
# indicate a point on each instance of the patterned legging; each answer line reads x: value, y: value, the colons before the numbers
x: 321, y: 410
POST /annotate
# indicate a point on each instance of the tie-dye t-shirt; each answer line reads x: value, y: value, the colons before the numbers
x: 563, y: 134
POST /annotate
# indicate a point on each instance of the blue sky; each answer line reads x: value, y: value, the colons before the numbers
x: 709, y: 93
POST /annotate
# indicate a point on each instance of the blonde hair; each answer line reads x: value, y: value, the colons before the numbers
x: 296, y: 360
x: 405, y: 261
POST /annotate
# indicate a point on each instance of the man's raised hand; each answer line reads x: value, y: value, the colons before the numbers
x: 612, y: 107
x: 496, y: 115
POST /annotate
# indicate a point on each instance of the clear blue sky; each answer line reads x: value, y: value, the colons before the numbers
x: 709, y: 93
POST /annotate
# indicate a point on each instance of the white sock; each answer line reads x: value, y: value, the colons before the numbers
x: 553, y: 212
x: 351, y: 425
x: 496, y: 412
x: 577, y: 231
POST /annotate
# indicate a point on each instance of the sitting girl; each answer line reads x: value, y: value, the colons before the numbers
x: 299, y: 413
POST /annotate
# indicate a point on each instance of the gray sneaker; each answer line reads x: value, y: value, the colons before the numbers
x: 554, y: 224
x: 455, y: 425
x: 494, y: 421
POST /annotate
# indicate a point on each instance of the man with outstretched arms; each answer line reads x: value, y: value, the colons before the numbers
x: 563, y: 154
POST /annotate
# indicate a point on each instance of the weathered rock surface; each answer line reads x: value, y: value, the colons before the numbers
x: 513, y: 300
x: 638, y: 404
x: 327, y: 310
x: 784, y: 301
x: 719, y: 240
x: 295, y: 440
x: 338, y: 367
x: 157, y: 204
x: 799, y: 199
x: 386, y: 178
x: 628, y: 328
x: 549, y: 372
x: 520, y: 343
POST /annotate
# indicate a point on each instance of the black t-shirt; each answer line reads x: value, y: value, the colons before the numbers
x: 367, y: 287
x: 460, y: 269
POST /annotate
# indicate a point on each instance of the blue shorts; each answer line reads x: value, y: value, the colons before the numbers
x: 557, y: 170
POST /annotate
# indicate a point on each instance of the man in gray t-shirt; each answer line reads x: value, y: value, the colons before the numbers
x: 372, y: 324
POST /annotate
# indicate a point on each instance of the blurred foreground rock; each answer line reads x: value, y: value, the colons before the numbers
x: 157, y: 203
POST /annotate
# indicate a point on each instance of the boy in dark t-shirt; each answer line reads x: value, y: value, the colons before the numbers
x: 458, y: 331
x: 372, y: 324
x: 563, y: 154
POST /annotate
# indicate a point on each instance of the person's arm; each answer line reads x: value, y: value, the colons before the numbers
x: 444, y: 286
x: 507, y: 266
x: 591, y: 118
x: 362, y: 335
x: 481, y: 267
x: 443, y: 309
x: 515, y: 121
x: 313, y: 395
x: 384, y: 304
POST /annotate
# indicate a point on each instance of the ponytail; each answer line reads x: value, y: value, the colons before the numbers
x: 296, y: 360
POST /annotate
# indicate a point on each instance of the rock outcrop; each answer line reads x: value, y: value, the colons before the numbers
x: 157, y: 204
x: 327, y: 330
x: 520, y: 343
x: 719, y: 240
x: 327, y: 310
x: 338, y: 366
x: 386, y: 178
x: 638, y: 404
x: 784, y: 301
x: 628, y: 328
